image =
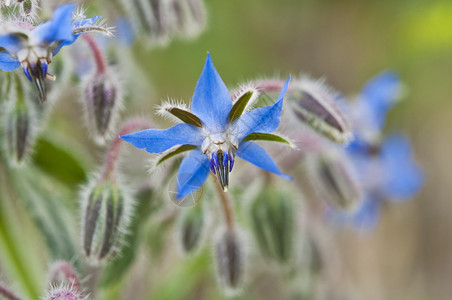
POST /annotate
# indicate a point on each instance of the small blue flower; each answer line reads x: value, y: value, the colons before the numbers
x: 386, y: 168
x: 21, y: 43
x: 216, y: 130
x: 368, y: 113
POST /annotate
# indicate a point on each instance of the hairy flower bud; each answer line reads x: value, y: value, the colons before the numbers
x: 333, y: 178
x: 273, y: 221
x: 191, y: 228
x: 314, y: 105
x: 63, y: 274
x: 64, y: 292
x: 230, y: 261
x: 189, y: 17
x: 19, y: 123
x: 102, y: 102
x: 105, y: 217
x: 161, y: 20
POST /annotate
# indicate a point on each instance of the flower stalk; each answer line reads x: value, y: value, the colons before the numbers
x: 101, y: 64
x: 8, y: 294
x: 226, y: 206
x: 113, y: 153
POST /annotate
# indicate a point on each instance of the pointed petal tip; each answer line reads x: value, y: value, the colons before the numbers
x: 286, y: 177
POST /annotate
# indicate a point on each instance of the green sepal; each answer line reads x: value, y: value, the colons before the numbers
x: 257, y: 136
x: 239, y: 106
x: 179, y: 150
x: 184, y: 116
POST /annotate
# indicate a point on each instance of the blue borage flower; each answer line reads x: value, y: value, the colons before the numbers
x: 21, y: 43
x: 216, y: 130
x: 388, y: 170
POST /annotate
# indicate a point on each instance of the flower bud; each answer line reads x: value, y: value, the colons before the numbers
x: 191, y: 228
x: 314, y: 105
x: 161, y: 20
x: 230, y: 261
x: 105, y: 217
x: 273, y: 221
x: 189, y: 17
x: 19, y: 124
x: 63, y: 274
x: 333, y: 178
x: 64, y: 292
x: 102, y: 102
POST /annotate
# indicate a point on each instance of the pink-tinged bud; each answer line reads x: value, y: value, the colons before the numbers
x: 63, y: 293
x: 230, y: 262
x: 102, y: 101
x: 105, y: 219
x: 315, y: 105
x: 334, y: 180
x: 63, y: 274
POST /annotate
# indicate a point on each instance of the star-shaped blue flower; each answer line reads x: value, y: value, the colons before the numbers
x: 21, y: 43
x: 216, y: 130
x: 386, y: 167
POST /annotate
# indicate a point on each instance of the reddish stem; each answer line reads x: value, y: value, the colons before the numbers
x: 65, y: 270
x: 98, y: 56
x: 113, y: 153
x: 8, y: 294
x: 226, y: 206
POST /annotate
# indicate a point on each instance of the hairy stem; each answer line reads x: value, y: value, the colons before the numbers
x: 101, y: 64
x: 226, y: 206
x: 113, y: 153
x: 8, y: 294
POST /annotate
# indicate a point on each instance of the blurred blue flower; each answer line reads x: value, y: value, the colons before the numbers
x: 368, y: 113
x: 216, y: 130
x: 386, y: 168
x: 21, y: 43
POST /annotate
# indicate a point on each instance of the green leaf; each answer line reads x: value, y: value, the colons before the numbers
x: 179, y: 150
x: 257, y: 136
x: 52, y: 215
x: 50, y: 156
x: 20, y: 242
x: 184, y: 116
x: 239, y: 106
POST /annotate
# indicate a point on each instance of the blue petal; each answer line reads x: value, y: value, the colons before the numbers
x: 367, y: 215
x: 403, y: 178
x: 7, y: 62
x: 192, y: 173
x: 211, y: 100
x: 11, y: 43
x: 159, y: 140
x: 59, y: 28
x: 380, y: 95
x: 265, y: 119
x: 124, y: 31
x: 256, y: 155
x: 85, y: 22
x: 364, y: 218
